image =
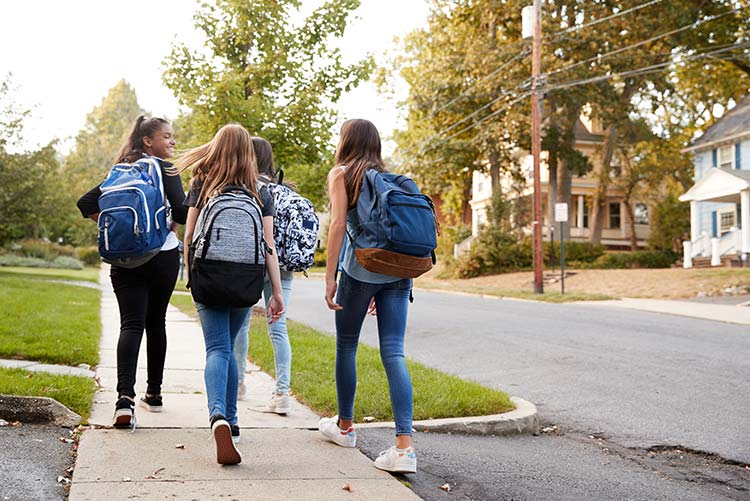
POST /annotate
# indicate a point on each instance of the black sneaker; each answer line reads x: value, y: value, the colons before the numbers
x: 226, y: 452
x: 235, y: 433
x: 151, y: 403
x: 124, y: 412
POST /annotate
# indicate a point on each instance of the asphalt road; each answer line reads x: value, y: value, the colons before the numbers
x: 636, y: 379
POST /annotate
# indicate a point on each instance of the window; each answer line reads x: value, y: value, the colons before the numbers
x: 640, y: 214
x: 726, y: 220
x: 726, y: 156
x: 585, y: 214
x: 614, y: 215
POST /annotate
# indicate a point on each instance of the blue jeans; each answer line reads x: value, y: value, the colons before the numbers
x: 282, y: 350
x: 220, y: 328
x: 392, y: 302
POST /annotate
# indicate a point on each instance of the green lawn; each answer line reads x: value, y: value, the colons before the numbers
x: 46, y: 321
x: 86, y: 274
x: 547, y: 297
x: 436, y: 394
x: 74, y: 392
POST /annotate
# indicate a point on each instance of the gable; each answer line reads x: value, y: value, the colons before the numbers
x: 718, y: 185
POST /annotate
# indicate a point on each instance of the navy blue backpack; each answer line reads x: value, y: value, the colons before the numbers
x: 133, y: 214
x: 397, y: 230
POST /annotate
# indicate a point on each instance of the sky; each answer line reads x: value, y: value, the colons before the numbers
x: 65, y: 55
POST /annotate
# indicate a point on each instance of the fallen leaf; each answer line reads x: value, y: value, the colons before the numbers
x: 15, y: 423
x: 368, y: 419
x: 62, y: 480
x: 126, y: 479
x: 347, y: 487
x: 3, y: 422
x: 179, y: 446
x: 446, y: 487
x: 66, y: 440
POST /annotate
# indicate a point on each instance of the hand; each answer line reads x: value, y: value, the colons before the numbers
x: 173, y: 226
x: 330, y: 294
x: 275, y: 308
x: 372, y: 310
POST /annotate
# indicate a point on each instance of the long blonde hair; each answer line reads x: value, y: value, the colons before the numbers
x: 227, y: 160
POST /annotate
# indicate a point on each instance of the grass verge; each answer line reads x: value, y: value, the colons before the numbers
x: 74, y: 392
x: 46, y: 321
x: 86, y: 274
x: 436, y: 394
x: 547, y: 297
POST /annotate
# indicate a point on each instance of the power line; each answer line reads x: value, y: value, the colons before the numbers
x: 643, y: 42
x: 606, y: 18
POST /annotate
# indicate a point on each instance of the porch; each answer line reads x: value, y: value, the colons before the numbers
x: 718, y: 230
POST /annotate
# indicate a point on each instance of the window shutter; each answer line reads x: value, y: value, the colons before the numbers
x: 714, y: 157
x: 737, y: 159
x: 714, y: 224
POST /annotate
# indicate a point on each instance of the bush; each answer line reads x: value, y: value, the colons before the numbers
x: 636, y: 259
x: 320, y: 257
x: 40, y: 249
x: 449, y: 236
x: 495, y: 251
x: 578, y: 252
x: 34, y: 262
x: 89, y: 255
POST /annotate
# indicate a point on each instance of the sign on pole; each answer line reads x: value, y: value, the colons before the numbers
x: 561, y: 213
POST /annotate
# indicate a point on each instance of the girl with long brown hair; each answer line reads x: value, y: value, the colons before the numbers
x: 225, y: 162
x: 358, y: 291
x: 143, y: 291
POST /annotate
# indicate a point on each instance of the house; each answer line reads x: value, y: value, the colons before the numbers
x: 720, y: 198
x: 616, y: 231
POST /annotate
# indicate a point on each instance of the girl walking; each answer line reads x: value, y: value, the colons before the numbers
x: 143, y: 292
x: 358, y: 291
x: 224, y: 165
x: 277, y: 331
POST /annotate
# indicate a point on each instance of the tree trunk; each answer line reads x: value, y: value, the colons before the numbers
x: 630, y: 214
x: 602, y: 170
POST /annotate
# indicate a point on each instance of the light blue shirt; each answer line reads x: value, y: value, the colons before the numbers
x: 348, y: 261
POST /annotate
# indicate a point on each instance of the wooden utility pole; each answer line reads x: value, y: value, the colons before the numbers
x: 536, y: 146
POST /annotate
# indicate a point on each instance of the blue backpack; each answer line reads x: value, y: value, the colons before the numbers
x: 397, y: 229
x: 133, y: 214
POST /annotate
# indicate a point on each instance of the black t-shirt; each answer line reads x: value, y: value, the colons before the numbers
x: 89, y: 203
x: 267, y: 206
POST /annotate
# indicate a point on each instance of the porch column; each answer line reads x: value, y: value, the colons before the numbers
x: 579, y: 212
x: 745, y: 217
x: 694, y: 221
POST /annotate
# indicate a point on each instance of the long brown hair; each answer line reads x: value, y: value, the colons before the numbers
x: 359, y: 150
x: 264, y: 157
x: 133, y: 148
x: 227, y: 160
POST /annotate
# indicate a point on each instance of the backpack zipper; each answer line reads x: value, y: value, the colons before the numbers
x: 145, y: 202
x: 206, y: 238
x: 135, y: 216
x: 106, y: 234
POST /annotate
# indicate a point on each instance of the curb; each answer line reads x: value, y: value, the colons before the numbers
x: 37, y: 410
x: 522, y: 420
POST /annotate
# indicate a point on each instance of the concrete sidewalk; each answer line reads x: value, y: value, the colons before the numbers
x: 706, y: 311
x: 171, y: 454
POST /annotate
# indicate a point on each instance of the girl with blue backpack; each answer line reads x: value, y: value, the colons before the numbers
x: 359, y: 291
x: 229, y: 245
x: 143, y: 284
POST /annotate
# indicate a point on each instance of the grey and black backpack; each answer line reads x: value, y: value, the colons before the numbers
x: 295, y: 228
x: 228, y: 252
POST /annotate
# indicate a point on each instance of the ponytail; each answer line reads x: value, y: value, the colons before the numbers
x: 133, y: 148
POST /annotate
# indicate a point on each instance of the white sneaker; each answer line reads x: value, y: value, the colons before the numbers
x: 241, y: 391
x: 279, y: 404
x: 397, y: 460
x: 329, y: 427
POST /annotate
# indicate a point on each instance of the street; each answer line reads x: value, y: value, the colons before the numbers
x: 640, y: 384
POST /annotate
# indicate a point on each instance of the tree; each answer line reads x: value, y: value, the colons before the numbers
x: 96, y: 145
x: 263, y: 71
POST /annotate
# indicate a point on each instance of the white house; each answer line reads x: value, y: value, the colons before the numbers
x: 720, y: 198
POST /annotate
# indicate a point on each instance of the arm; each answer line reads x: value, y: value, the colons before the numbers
x: 88, y: 204
x: 176, y: 196
x: 276, y: 304
x: 336, y: 232
x: 192, y: 217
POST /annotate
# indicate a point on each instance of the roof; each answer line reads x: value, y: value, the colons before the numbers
x: 736, y: 122
x: 719, y: 185
x: 581, y: 133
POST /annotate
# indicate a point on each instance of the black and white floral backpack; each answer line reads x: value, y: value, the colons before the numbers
x: 295, y: 228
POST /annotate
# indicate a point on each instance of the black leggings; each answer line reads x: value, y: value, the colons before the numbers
x: 143, y: 295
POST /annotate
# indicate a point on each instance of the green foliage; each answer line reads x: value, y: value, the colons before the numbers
x: 670, y: 223
x: 61, y: 262
x: 275, y: 76
x: 494, y: 251
x: 48, y: 322
x: 40, y: 249
x: 575, y: 252
x: 74, y: 392
x: 89, y: 256
x: 636, y: 259
x: 449, y: 236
